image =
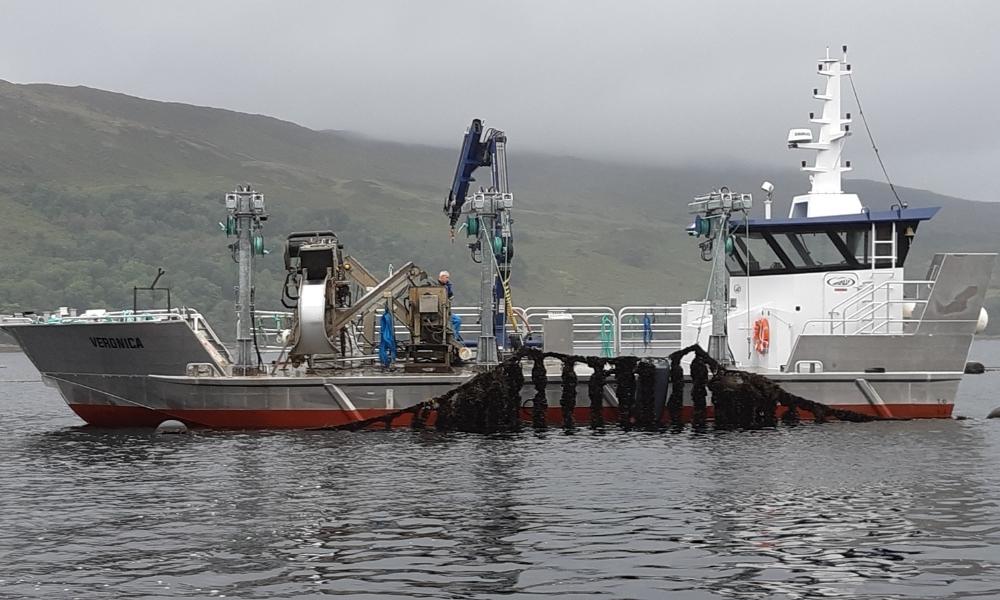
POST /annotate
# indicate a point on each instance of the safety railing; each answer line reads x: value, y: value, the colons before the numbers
x: 19, y: 320
x: 875, y: 310
x: 469, y: 316
x: 906, y: 326
x: 122, y: 316
x: 269, y: 325
x: 199, y: 324
x: 594, y: 327
x: 639, y: 330
x: 649, y: 330
x: 195, y: 320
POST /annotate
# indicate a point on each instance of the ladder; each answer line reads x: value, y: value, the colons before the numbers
x: 878, y: 246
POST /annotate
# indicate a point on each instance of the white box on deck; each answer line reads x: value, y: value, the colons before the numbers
x: 557, y: 332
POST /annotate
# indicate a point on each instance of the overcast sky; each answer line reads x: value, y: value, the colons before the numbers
x: 704, y: 82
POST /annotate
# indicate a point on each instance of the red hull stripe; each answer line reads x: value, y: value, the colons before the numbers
x: 133, y: 416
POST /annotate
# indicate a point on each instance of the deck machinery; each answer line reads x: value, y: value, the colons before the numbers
x: 488, y: 220
x: 335, y: 300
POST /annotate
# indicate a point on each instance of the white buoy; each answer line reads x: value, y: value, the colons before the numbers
x: 171, y: 427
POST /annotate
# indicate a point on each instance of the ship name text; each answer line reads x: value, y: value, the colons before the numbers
x: 122, y: 343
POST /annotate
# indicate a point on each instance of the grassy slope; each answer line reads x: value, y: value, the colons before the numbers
x: 99, y: 188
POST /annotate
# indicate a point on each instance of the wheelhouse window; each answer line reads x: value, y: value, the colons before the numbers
x: 772, y: 251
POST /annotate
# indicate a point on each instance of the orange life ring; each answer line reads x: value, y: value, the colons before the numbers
x: 761, y: 335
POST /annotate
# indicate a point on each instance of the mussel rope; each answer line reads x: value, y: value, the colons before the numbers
x: 475, y: 406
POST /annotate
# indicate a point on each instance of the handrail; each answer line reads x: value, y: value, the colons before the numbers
x: 863, y: 305
x: 870, y: 288
x: 197, y: 322
x: 811, y: 322
x: 9, y: 320
x: 587, y: 325
x: 867, y: 288
x: 123, y: 316
x: 666, y: 329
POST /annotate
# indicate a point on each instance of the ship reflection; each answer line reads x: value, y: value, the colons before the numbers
x: 431, y: 514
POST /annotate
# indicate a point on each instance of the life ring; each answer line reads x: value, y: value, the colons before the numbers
x: 761, y: 335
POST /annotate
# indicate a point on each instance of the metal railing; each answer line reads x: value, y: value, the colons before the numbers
x: 269, y: 324
x: 594, y: 327
x: 19, y: 320
x: 124, y: 316
x: 872, y: 310
x: 195, y: 320
x: 660, y: 338
x: 199, y: 324
x: 470, y: 321
x: 907, y: 326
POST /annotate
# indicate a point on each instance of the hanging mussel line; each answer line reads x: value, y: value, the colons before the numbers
x: 490, y: 402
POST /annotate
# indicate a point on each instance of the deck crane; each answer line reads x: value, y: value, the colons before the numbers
x: 488, y: 220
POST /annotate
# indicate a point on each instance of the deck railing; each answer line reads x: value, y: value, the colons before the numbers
x: 875, y: 309
x: 596, y: 329
x: 660, y: 337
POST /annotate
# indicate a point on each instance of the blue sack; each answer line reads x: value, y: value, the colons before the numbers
x: 387, y: 339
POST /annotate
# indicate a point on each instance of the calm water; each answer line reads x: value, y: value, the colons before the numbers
x: 878, y: 510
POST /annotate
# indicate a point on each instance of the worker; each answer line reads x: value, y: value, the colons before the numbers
x: 444, y: 278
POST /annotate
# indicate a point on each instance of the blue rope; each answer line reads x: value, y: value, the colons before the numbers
x: 647, y: 330
x: 387, y: 338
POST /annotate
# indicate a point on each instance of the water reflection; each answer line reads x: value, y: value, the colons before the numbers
x: 399, y: 527
x: 901, y: 510
x: 851, y: 521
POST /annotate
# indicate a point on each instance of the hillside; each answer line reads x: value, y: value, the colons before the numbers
x: 98, y: 189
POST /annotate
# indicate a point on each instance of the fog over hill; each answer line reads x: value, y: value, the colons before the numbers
x: 98, y: 189
x: 687, y: 82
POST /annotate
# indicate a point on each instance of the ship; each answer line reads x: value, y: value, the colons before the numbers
x: 817, y: 301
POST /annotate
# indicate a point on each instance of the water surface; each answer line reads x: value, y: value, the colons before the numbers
x: 874, y: 510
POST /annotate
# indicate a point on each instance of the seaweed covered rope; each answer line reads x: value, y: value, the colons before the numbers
x: 491, y: 401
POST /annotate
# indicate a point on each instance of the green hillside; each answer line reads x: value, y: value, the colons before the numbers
x: 99, y: 189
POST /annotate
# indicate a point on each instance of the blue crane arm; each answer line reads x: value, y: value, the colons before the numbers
x: 475, y: 153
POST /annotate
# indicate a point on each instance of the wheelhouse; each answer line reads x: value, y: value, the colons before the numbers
x: 838, y: 243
